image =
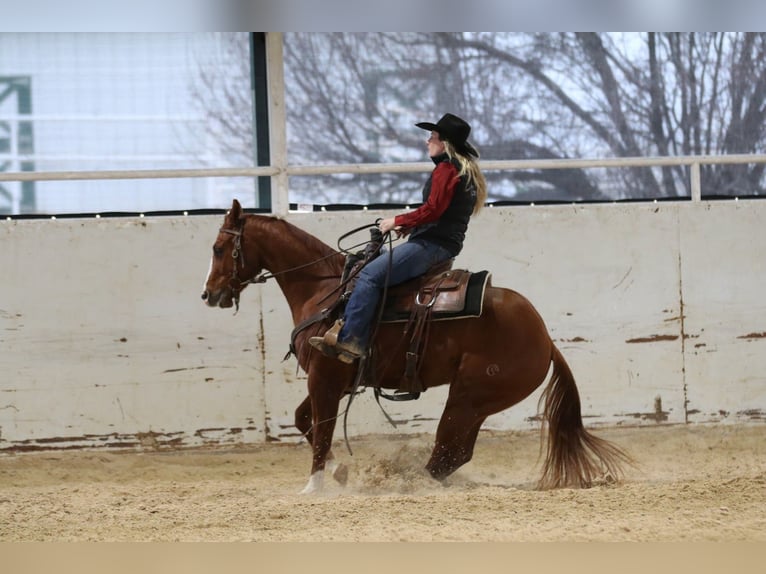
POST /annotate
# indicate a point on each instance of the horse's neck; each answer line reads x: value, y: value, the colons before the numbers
x: 303, y: 266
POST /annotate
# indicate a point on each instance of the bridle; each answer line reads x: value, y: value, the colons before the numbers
x: 238, y: 255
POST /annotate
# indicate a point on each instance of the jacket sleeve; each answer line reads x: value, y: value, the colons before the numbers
x: 444, y: 180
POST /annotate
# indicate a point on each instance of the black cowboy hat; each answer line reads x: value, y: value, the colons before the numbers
x: 454, y: 130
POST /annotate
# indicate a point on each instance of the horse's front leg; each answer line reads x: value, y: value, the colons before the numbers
x: 303, y: 422
x: 325, y: 395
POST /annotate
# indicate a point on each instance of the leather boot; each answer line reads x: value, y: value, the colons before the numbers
x: 329, y: 346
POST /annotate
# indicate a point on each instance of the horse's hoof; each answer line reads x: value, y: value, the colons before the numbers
x: 315, y: 483
x: 340, y: 474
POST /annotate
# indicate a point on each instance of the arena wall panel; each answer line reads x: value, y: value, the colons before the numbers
x: 104, y: 340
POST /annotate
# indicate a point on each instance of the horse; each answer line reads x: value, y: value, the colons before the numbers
x: 490, y: 362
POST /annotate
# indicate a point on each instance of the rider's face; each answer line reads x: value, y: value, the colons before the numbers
x: 435, y: 145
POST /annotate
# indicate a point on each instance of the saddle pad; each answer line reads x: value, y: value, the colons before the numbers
x: 455, y: 285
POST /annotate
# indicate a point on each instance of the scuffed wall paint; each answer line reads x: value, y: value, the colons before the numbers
x: 104, y: 340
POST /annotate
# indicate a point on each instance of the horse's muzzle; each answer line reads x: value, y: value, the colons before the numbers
x: 210, y: 299
x: 221, y: 299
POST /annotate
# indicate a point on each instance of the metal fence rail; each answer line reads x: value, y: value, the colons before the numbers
x: 280, y: 199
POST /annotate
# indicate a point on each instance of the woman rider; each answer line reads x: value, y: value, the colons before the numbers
x: 455, y: 190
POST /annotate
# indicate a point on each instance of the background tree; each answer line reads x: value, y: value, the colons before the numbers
x: 353, y: 98
x: 221, y: 91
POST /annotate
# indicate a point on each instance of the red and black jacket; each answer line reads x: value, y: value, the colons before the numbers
x: 448, y: 203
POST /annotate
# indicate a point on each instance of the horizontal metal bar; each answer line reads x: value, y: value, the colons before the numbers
x: 308, y: 170
x: 136, y: 174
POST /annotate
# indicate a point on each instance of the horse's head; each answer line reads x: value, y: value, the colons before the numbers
x: 229, y: 271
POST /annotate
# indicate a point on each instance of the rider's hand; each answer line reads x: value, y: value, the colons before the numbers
x: 389, y: 224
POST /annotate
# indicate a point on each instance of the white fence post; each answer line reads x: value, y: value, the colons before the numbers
x: 280, y: 202
x: 695, y: 182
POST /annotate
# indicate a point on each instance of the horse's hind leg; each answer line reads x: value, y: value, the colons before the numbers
x: 339, y: 471
x: 455, y: 438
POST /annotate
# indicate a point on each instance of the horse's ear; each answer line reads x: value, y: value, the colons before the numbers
x: 234, y: 212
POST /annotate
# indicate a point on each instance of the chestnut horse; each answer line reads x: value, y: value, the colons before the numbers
x: 491, y: 362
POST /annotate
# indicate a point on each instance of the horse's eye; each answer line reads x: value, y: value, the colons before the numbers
x: 217, y: 251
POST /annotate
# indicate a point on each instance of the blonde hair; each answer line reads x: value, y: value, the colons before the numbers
x: 469, y: 167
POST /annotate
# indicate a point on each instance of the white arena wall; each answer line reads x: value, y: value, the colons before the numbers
x: 104, y: 340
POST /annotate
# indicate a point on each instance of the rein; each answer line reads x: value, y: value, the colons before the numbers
x: 238, y: 255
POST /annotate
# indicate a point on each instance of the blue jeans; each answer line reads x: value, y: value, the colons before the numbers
x: 408, y: 260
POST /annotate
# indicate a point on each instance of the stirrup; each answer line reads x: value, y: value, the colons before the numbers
x: 330, y: 350
x: 328, y: 345
x: 331, y: 335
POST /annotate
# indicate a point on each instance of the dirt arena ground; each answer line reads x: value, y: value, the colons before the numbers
x: 693, y: 483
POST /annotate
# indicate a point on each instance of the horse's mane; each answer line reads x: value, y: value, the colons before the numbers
x: 311, y: 245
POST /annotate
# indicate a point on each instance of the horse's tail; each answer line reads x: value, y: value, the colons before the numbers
x: 574, y: 457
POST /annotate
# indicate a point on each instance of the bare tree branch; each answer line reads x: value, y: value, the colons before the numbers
x: 355, y: 97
